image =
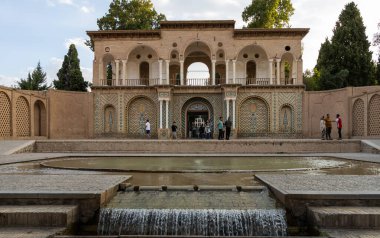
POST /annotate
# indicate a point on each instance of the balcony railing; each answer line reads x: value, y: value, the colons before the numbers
x: 130, y: 82
x: 195, y: 81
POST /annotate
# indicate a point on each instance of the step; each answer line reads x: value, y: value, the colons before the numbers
x: 38, y: 216
x: 30, y: 232
x: 345, y: 217
x: 350, y: 233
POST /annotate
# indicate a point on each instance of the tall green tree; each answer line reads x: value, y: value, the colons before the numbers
x: 70, y: 76
x: 268, y: 13
x: 377, y: 75
x: 34, y: 81
x: 346, y: 59
x: 129, y: 15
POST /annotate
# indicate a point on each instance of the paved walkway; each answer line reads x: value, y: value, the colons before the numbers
x: 21, y: 232
x: 343, y: 233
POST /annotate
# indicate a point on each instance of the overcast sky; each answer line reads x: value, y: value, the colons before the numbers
x: 42, y: 30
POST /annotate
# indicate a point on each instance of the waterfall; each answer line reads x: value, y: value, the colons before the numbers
x: 184, y: 222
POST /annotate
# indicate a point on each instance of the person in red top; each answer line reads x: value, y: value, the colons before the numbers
x: 339, y: 125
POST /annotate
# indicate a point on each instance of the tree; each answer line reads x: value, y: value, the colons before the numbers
x: 311, y: 80
x: 268, y: 13
x: 129, y: 15
x: 377, y: 75
x: 34, y: 81
x: 346, y: 59
x: 70, y: 76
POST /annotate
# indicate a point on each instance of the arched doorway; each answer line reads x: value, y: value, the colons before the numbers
x: 144, y: 73
x: 251, y: 72
x: 286, y: 123
x: 373, y: 116
x: 196, y: 112
x: 39, y: 119
x: 198, y: 74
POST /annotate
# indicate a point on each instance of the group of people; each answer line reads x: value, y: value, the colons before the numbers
x: 325, y: 126
x: 227, y: 125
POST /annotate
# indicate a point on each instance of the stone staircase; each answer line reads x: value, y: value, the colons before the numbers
x: 370, y: 146
x: 346, y: 222
x: 36, y: 220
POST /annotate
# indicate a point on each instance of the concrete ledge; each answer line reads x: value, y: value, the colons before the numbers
x: 199, y: 146
x: 345, y: 217
x: 38, y: 216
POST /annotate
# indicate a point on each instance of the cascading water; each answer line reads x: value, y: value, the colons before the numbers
x: 184, y: 222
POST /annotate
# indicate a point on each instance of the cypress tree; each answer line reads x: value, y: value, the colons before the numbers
x: 70, y: 76
x: 346, y: 60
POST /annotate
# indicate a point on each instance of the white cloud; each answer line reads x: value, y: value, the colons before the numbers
x: 83, y: 6
x: 79, y: 42
x: 8, y: 81
x: 87, y: 9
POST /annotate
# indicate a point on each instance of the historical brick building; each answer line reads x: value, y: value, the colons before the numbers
x: 255, y: 78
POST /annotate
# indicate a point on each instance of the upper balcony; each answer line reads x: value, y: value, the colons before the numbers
x: 143, y: 82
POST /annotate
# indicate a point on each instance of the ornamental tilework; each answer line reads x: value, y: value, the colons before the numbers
x: 138, y: 108
x: 374, y: 116
x: 253, y: 117
x: 294, y: 100
x: 22, y: 117
x: 101, y: 102
x: 358, y: 118
x: 5, y: 115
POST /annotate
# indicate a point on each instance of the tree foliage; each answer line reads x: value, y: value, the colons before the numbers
x: 129, y: 15
x: 34, y: 81
x: 346, y: 59
x: 311, y: 80
x: 268, y: 13
x: 70, y: 76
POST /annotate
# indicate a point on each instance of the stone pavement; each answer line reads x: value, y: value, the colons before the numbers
x: 58, y: 184
x: 343, y: 233
x: 297, y: 186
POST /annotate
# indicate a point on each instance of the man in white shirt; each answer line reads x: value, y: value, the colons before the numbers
x: 147, y: 128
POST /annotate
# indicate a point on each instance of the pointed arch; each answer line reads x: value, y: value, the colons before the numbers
x: 40, y: 119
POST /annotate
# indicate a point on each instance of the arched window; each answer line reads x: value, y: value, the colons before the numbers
x: 144, y: 73
x: 198, y: 74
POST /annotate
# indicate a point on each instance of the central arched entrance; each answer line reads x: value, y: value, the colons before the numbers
x: 195, y: 113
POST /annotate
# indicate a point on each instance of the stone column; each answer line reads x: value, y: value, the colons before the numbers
x: 213, y: 72
x: 160, y: 72
x: 294, y: 71
x: 228, y: 109
x: 181, y: 71
x: 124, y: 63
x: 227, y: 61
x: 233, y: 113
x: 167, y: 71
x: 167, y: 114
x: 102, y: 80
x: 271, y: 71
x: 278, y: 70
x: 234, y: 71
x: 160, y: 114
x: 117, y: 72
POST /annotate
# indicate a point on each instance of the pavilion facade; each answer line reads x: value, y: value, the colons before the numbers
x: 254, y: 77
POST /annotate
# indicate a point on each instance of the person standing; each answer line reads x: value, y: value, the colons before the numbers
x: 147, y: 128
x: 328, y: 127
x: 228, y: 125
x: 322, y: 127
x: 208, y: 130
x: 174, y: 130
x: 220, y: 128
x: 339, y: 125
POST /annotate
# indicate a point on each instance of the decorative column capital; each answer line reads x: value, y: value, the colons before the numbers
x: 278, y: 60
x: 124, y: 61
x: 213, y: 61
x: 117, y: 61
x: 270, y: 60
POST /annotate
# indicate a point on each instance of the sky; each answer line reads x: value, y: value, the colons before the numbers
x: 35, y: 31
